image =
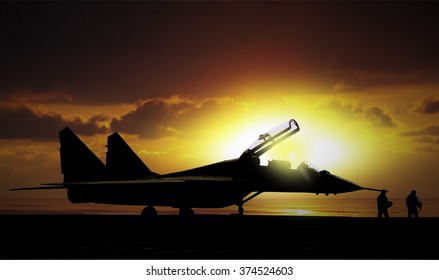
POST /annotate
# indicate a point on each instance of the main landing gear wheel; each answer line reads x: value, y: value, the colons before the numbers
x: 149, y: 212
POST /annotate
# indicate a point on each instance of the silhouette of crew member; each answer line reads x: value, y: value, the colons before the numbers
x: 412, y: 202
x: 383, y: 203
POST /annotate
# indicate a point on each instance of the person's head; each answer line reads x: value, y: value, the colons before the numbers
x: 383, y: 191
x: 413, y: 192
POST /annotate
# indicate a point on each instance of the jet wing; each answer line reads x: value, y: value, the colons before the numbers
x: 268, y: 140
x: 157, y: 180
x: 145, y: 182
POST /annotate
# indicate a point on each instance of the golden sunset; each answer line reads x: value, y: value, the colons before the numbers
x: 191, y: 83
x: 146, y: 130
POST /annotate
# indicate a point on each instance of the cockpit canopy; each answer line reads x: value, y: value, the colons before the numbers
x: 303, y: 167
x: 267, y: 140
x: 307, y: 167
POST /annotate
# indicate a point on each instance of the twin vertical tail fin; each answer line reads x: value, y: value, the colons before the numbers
x: 122, y: 162
x: 80, y: 164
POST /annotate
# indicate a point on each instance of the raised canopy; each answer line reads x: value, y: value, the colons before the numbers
x: 267, y: 140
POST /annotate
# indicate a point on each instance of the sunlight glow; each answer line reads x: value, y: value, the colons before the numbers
x: 298, y: 212
x: 325, y: 151
x: 240, y: 137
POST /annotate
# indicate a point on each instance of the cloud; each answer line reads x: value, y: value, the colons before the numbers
x: 346, y: 108
x: 430, y: 144
x: 428, y: 140
x: 374, y: 114
x: 428, y: 105
x: 161, y: 117
x: 379, y: 118
x: 432, y: 130
x: 151, y: 119
x: 342, y: 87
x: 364, y: 79
x: 427, y: 149
x: 23, y: 123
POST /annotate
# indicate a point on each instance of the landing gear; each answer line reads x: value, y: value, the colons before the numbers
x: 240, y: 210
x: 241, y: 203
x: 149, y: 212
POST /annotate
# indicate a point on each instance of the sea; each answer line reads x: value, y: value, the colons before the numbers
x: 340, y: 207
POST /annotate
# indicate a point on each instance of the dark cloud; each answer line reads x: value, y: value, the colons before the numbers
x: 174, y: 116
x: 427, y: 149
x: 429, y: 105
x: 342, y: 87
x: 428, y: 140
x: 432, y: 130
x: 152, y: 119
x: 375, y: 115
x: 23, y: 123
x: 379, y: 118
x: 347, y: 109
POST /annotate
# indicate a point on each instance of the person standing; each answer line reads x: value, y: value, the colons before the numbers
x: 412, y: 202
x: 383, y: 203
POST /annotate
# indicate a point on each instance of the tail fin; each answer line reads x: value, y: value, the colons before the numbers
x: 78, y: 162
x: 122, y: 162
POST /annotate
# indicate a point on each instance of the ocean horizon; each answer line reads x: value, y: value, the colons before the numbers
x: 342, y: 207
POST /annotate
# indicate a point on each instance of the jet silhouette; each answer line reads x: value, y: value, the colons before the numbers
x: 126, y: 180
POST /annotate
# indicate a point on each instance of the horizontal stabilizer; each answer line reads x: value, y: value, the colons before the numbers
x: 51, y: 187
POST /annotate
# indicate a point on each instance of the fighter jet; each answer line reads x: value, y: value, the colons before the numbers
x: 126, y: 180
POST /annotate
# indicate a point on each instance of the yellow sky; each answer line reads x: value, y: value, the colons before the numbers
x: 338, y: 133
x: 192, y: 83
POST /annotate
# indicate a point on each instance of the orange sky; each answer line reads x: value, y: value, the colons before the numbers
x: 189, y: 83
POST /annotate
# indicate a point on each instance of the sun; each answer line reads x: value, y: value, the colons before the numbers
x: 315, y: 146
x: 327, y: 152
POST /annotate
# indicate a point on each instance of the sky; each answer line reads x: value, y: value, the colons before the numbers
x: 192, y: 83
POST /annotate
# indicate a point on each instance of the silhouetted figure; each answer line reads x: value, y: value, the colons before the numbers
x: 383, y: 203
x: 412, y: 202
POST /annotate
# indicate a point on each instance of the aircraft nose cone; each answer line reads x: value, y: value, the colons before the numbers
x: 333, y: 184
x: 344, y: 185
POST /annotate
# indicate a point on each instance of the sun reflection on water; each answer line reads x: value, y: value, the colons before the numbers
x: 286, y: 207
